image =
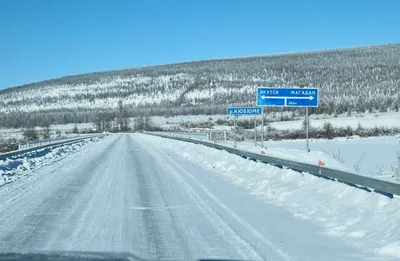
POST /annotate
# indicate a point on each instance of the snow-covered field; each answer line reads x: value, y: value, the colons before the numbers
x: 370, y: 156
x: 373, y: 156
x: 160, y: 120
x: 279, y: 152
x: 65, y: 130
x: 367, y: 221
x: 70, y: 126
x: 366, y: 120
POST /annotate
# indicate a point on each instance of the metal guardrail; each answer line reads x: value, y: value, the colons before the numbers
x: 31, y: 144
x: 366, y: 183
x: 54, y: 144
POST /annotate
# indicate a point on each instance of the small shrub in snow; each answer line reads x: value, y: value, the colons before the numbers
x: 8, y: 145
x: 357, y: 166
x: 245, y: 124
x: 380, y: 170
x: 30, y: 134
x: 221, y: 121
x: 46, y: 131
x: 396, y: 166
x: 329, y: 131
x: 75, y: 129
x: 338, y: 156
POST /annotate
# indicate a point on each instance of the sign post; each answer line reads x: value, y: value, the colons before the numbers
x: 308, y: 143
x: 255, y: 130
x: 244, y: 111
x: 289, y: 97
x: 262, y: 128
x: 234, y: 123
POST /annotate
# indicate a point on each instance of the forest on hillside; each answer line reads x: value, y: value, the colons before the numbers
x: 364, y: 79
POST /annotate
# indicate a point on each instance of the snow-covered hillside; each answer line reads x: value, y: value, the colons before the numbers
x: 356, y: 79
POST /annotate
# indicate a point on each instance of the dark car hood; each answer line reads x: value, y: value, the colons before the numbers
x: 78, y: 256
x: 70, y: 256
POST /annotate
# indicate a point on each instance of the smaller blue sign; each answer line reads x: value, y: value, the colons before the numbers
x: 245, y: 111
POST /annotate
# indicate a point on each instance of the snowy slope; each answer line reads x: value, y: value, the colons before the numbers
x: 356, y: 79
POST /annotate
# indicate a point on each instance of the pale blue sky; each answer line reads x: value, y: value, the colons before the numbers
x: 45, y: 39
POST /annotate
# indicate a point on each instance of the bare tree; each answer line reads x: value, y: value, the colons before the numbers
x: 46, y: 130
x: 30, y: 134
x: 357, y: 166
x: 75, y: 130
x: 396, y: 166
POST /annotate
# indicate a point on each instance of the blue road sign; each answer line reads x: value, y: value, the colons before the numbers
x: 245, y: 111
x: 287, y: 97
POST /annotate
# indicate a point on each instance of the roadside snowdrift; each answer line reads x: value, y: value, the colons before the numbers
x: 18, y: 166
x: 368, y: 221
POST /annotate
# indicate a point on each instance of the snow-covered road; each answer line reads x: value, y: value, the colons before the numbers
x: 126, y: 194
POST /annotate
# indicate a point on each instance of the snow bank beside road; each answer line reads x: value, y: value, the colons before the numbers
x: 298, y: 155
x: 368, y: 221
x: 17, y: 166
x: 372, y: 156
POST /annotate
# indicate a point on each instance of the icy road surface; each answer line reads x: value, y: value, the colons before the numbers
x: 125, y: 194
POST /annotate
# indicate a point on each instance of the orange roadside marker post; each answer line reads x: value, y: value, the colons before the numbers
x: 320, y: 164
